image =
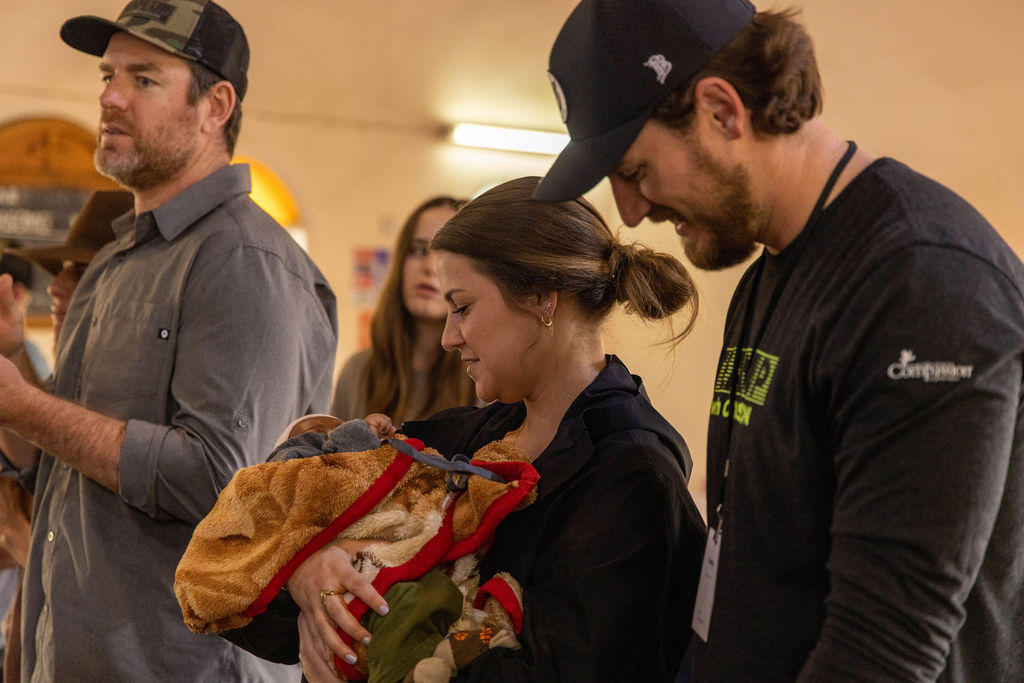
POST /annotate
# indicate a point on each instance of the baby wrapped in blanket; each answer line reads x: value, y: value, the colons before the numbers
x: 333, y: 479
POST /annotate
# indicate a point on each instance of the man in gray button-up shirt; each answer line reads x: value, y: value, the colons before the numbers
x: 192, y: 340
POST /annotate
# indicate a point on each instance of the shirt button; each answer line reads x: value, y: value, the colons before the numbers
x: 49, y: 537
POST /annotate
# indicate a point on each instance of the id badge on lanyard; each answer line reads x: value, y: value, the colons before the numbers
x: 706, y: 588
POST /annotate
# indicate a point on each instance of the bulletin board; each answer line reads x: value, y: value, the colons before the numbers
x: 370, y: 270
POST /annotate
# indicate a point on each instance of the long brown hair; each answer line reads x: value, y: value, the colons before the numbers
x: 531, y: 247
x: 389, y: 377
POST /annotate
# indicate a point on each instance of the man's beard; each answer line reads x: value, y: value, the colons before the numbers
x: 725, y: 225
x: 153, y: 160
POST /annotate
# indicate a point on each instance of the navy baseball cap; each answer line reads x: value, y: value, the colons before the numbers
x: 612, y: 62
x: 197, y: 30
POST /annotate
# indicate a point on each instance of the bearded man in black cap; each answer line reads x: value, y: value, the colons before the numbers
x: 191, y: 341
x: 866, y: 443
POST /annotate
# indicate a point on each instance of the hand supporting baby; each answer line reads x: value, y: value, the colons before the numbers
x: 319, y: 584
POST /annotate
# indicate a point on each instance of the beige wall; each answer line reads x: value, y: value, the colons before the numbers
x: 938, y: 84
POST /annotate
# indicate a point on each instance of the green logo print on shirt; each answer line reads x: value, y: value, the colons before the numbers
x: 754, y: 374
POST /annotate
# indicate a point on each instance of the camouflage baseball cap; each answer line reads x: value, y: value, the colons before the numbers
x: 197, y: 30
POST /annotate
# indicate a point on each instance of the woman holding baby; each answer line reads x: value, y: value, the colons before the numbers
x: 608, y: 555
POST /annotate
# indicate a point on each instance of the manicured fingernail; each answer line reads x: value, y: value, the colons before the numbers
x: 351, y: 659
x: 366, y: 640
x: 382, y: 610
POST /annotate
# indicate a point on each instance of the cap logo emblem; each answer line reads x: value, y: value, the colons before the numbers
x: 661, y: 67
x: 147, y: 10
x: 563, y: 108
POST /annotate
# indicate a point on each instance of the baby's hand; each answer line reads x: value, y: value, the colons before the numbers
x: 381, y: 424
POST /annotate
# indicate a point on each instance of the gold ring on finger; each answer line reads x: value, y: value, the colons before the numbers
x: 324, y: 594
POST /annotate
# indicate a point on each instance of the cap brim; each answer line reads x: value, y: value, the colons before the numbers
x: 92, y: 35
x: 51, y: 259
x: 89, y: 34
x: 584, y: 162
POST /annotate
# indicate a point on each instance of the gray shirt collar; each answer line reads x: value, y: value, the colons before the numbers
x: 175, y: 215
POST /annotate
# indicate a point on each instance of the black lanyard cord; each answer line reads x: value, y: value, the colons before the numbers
x: 748, y: 313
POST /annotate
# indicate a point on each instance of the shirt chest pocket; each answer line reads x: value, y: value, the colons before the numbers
x: 128, y: 356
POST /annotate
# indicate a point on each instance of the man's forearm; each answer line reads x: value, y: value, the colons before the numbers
x: 83, y: 439
x: 20, y: 452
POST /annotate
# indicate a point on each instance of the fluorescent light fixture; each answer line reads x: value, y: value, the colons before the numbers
x: 511, y: 139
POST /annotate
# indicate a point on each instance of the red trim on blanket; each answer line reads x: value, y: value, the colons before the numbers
x: 506, y: 597
x: 430, y: 555
x: 387, y: 481
x: 419, y: 564
x: 424, y: 560
x: 439, y: 549
x: 514, y: 470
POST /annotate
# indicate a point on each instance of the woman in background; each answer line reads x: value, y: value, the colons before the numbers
x: 405, y: 373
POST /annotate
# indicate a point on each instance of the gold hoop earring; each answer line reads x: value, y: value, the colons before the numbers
x: 546, y: 321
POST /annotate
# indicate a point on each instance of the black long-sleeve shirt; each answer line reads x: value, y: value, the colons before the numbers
x: 874, y: 504
x: 607, y: 556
